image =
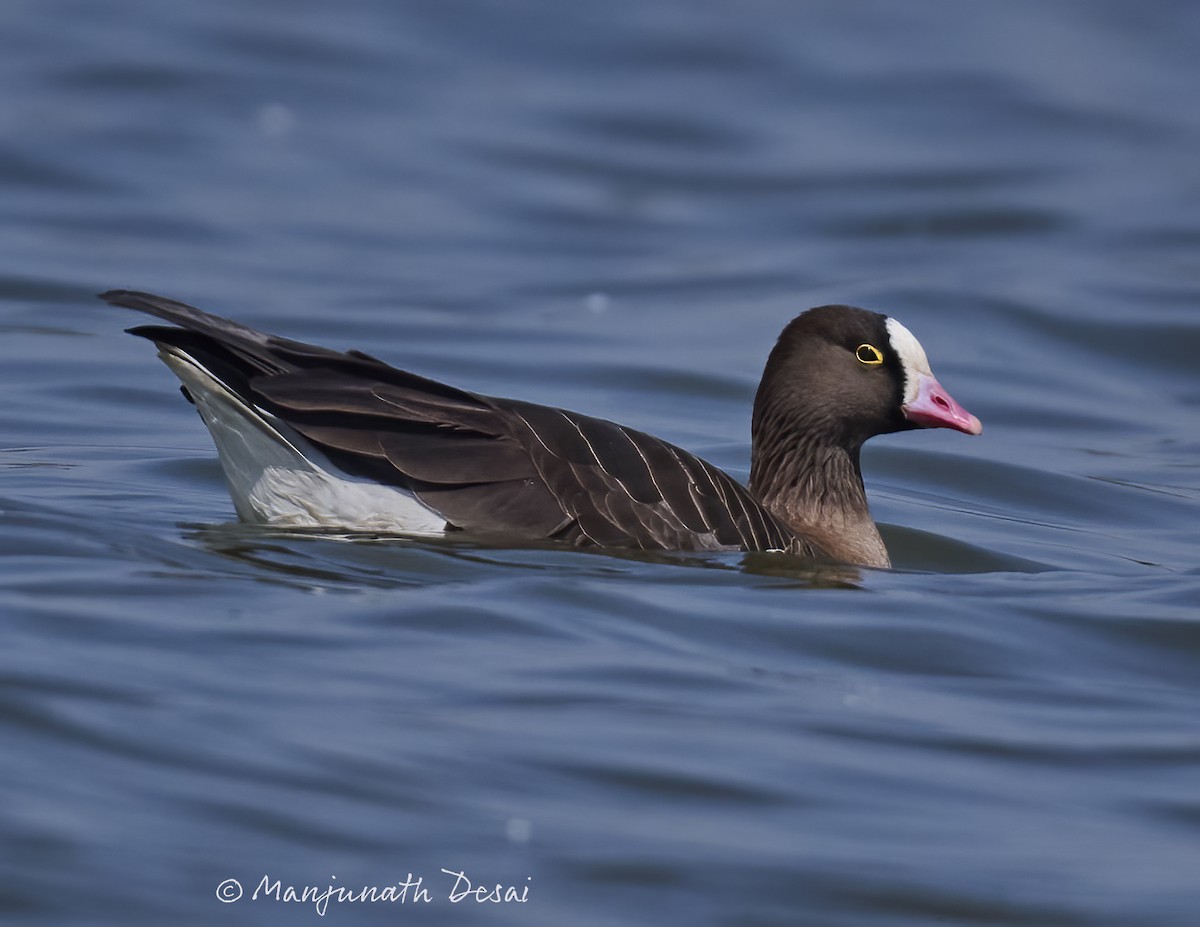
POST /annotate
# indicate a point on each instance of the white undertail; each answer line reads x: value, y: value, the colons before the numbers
x: 276, y: 477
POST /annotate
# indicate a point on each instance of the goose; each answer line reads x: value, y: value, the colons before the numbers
x: 310, y: 437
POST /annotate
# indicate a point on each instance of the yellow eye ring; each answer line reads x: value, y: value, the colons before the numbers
x: 869, y: 355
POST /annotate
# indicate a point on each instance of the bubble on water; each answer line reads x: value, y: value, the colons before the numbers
x: 518, y: 830
x: 275, y: 120
x: 596, y: 303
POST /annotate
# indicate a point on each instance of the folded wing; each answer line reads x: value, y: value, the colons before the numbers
x: 486, y: 465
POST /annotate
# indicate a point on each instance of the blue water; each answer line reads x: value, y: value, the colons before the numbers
x: 611, y: 207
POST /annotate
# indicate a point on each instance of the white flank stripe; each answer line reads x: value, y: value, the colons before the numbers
x: 277, y: 478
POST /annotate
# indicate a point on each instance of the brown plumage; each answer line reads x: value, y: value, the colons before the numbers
x: 522, y: 471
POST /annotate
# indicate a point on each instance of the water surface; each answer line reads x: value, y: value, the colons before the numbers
x: 614, y: 208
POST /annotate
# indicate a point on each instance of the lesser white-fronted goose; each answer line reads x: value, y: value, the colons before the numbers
x: 311, y: 437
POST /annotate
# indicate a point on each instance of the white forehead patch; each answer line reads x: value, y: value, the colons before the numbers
x: 911, y: 354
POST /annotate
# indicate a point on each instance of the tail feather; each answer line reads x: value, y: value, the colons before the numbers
x: 185, y: 316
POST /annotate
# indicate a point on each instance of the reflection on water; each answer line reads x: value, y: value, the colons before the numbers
x: 388, y: 560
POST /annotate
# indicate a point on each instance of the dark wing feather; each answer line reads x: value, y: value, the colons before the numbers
x: 624, y: 487
x: 489, y: 465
